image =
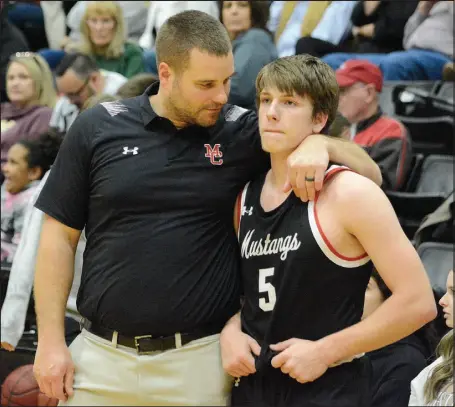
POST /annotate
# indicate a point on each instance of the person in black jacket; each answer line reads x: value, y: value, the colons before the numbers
x: 394, y: 366
x: 378, y: 27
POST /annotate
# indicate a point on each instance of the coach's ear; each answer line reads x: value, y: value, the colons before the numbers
x: 319, y: 122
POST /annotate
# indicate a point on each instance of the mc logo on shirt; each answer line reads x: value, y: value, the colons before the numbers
x: 214, y: 154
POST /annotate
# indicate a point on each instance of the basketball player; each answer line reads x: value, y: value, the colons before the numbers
x: 305, y: 266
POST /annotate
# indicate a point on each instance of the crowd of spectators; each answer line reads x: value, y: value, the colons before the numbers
x: 60, y: 58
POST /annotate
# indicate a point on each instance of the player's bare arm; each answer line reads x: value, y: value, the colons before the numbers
x: 53, y: 279
x: 362, y: 210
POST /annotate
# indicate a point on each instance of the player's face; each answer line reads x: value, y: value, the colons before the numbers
x: 446, y: 302
x: 373, y: 298
x: 197, y: 94
x: 286, y: 120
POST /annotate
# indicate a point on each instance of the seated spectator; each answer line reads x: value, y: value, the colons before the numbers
x: 136, y: 85
x: 252, y: 45
x: 434, y: 385
x: 378, y: 26
x: 103, y: 38
x: 20, y: 283
x: 32, y: 96
x: 13, y: 41
x: 159, y: 12
x: 134, y: 13
x: 27, y: 163
x: 386, y: 139
x: 28, y: 17
x: 394, y: 366
x: 428, y: 44
x: 323, y: 20
x: 78, y: 78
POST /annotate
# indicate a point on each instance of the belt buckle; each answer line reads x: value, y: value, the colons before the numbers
x: 137, y: 344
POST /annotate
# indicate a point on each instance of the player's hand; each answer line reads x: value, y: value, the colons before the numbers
x: 7, y: 346
x: 306, y: 167
x: 237, y: 349
x: 300, y: 359
x: 54, y: 370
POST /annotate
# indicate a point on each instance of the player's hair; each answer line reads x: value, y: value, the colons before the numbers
x: 260, y: 11
x: 43, y: 151
x: 39, y: 71
x: 442, y: 375
x: 306, y: 76
x: 82, y: 65
x: 136, y: 85
x: 110, y: 9
x: 96, y: 99
x: 339, y: 125
x: 185, y: 31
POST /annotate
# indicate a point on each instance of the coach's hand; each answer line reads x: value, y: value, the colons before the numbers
x: 237, y: 349
x: 54, y: 370
x: 306, y: 167
x: 300, y: 359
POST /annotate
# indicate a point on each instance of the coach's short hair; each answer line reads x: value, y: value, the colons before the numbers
x: 188, y: 30
x: 82, y: 65
x: 306, y: 76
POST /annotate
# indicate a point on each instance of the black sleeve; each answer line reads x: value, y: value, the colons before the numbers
x: 66, y: 192
x: 358, y: 17
x: 390, y: 24
x: 394, y: 157
x: 393, y: 392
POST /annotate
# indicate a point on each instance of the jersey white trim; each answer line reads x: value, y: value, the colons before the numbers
x: 242, y: 205
x: 318, y: 233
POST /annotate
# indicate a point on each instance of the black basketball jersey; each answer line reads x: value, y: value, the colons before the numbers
x: 295, y: 283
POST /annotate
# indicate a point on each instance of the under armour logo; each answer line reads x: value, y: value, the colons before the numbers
x: 214, y: 153
x: 133, y: 151
x: 248, y: 212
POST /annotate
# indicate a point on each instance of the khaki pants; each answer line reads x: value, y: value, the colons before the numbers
x: 108, y: 375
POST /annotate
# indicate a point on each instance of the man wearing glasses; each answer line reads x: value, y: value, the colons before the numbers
x: 79, y: 78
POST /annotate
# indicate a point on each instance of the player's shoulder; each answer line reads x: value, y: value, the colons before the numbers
x: 346, y: 187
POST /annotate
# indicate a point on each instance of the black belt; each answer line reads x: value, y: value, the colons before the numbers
x: 146, y: 343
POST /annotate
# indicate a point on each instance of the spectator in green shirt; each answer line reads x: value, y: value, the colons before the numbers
x: 104, y: 38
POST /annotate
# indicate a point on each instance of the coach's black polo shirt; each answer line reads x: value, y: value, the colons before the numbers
x: 157, y: 204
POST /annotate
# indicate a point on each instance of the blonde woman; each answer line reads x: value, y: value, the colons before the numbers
x: 104, y: 38
x: 32, y: 96
x: 434, y: 385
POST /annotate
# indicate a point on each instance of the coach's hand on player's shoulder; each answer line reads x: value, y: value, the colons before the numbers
x: 300, y: 359
x: 306, y: 167
x: 54, y: 370
x: 237, y: 349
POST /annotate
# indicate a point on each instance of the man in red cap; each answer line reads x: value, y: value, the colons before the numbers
x: 385, y: 139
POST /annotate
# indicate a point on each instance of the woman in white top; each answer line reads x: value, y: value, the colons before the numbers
x: 434, y: 385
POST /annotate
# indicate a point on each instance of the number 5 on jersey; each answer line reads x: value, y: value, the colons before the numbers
x: 265, y: 287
